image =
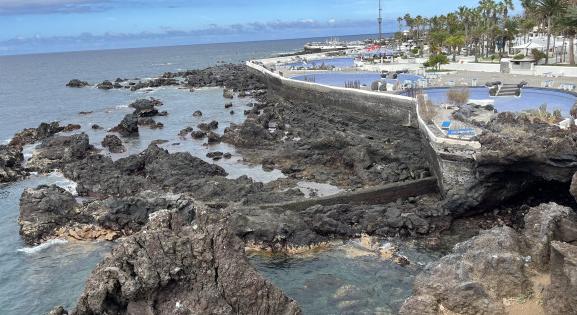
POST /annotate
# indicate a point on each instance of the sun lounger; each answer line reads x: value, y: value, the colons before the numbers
x: 567, y: 86
x: 463, y: 133
x: 445, y: 125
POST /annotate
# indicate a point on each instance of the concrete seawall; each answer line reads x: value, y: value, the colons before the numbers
x: 401, y: 107
x: 369, y: 196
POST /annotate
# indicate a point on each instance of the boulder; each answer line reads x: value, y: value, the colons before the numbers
x: 114, y: 144
x: 197, y: 114
x: 128, y: 127
x: 213, y: 138
x: 75, y: 83
x: 186, y: 131
x: 42, y: 210
x: 475, y: 277
x: 105, y: 85
x: 544, y: 224
x: 198, y: 134
x: 150, y: 123
x: 175, y: 268
x: 248, y: 134
x: 11, y: 159
x: 213, y: 125
x: 146, y: 107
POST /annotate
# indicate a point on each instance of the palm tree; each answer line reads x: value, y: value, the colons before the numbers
x: 569, y: 23
x: 548, y: 10
x: 400, y: 21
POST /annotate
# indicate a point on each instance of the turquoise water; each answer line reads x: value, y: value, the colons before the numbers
x: 530, y: 98
x: 337, y: 282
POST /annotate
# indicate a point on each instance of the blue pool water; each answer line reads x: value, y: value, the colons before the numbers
x: 344, y: 62
x: 339, y: 78
x: 530, y: 98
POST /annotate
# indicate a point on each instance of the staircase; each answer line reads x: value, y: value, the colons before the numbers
x: 509, y: 90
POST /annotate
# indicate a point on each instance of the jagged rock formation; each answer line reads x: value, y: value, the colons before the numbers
x: 128, y: 127
x: 176, y: 268
x: 279, y: 229
x: 113, y: 143
x: 516, y: 154
x: 11, y: 159
x: 49, y: 211
x: 42, y: 210
x: 57, y: 151
x: 480, y: 272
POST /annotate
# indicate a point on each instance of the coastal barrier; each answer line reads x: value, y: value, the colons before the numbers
x: 369, y: 196
x: 401, y: 107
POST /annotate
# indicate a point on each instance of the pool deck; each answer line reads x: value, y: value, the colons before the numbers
x: 465, y: 78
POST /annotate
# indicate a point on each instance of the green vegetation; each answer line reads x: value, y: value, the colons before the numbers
x: 458, y: 96
x: 436, y: 60
x: 486, y: 30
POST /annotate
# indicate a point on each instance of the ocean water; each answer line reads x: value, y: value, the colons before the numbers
x: 32, y: 90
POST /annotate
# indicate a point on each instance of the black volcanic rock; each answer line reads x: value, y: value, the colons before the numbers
x: 11, y: 159
x: 105, y: 85
x: 113, y: 143
x: 56, y: 152
x: 175, y: 268
x: 75, y: 83
x: 42, y: 210
x: 128, y: 127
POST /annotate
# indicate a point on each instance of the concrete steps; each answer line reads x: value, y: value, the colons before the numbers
x: 509, y: 90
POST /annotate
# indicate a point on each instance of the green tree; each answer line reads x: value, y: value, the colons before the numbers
x: 455, y: 42
x: 569, y: 23
x: 549, y: 10
x: 436, y: 60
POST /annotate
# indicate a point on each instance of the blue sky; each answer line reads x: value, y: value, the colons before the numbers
x: 53, y: 25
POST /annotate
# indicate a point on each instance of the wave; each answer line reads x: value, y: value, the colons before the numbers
x: 41, y: 247
x: 120, y: 106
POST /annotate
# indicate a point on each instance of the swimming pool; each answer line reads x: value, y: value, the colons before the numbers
x: 343, y: 62
x: 340, y: 78
x: 530, y: 98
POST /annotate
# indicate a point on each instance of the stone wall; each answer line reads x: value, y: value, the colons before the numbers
x: 398, y: 106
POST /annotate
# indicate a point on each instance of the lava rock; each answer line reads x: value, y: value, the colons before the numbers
x: 204, y: 264
x: 228, y: 105
x: 213, y: 138
x: 215, y: 155
x: 56, y: 152
x: 105, y: 85
x: 128, y: 127
x: 213, y: 125
x: 114, y: 144
x: 197, y: 114
x: 42, y: 210
x: 75, y: 83
x: 11, y: 159
x: 198, y: 134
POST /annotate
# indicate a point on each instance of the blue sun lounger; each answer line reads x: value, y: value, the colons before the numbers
x: 445, y: 125
x: 464, y: 132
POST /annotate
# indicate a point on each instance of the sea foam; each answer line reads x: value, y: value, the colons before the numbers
x: 41, y: 247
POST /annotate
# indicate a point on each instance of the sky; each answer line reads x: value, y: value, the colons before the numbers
x: 31, y: 26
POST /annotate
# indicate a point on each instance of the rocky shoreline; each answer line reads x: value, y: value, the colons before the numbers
x: 181, y: 225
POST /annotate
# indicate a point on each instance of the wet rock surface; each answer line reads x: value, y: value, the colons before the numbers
x: 128, y: 127
x: 42, y: 210
x: 56, y: 152
x: 177, y: 268
x: 11, y: 159
x: 276, y: 228
x: 113, y: 143
x: 75, y: 83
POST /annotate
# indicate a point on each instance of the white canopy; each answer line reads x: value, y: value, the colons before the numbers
x: 529, y: 45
